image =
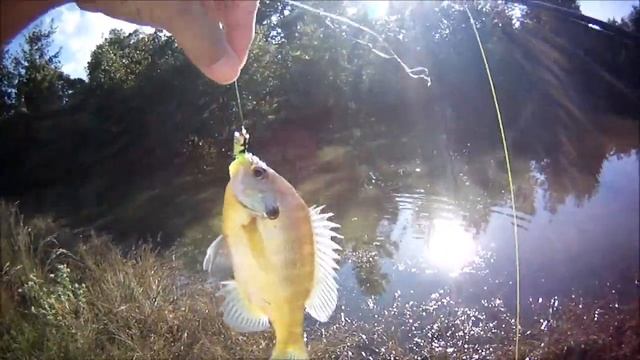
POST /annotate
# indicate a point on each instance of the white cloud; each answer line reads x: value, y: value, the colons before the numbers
x: 78, y: 34
x: 68, y: 19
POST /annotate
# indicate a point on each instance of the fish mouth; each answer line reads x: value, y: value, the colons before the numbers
x: 273, y: 212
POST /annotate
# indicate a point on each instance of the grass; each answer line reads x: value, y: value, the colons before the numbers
x: 97, y: 302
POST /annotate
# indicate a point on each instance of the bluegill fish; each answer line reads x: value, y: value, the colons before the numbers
x: 282, y: 253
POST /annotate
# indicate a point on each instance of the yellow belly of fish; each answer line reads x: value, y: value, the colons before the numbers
x: 273, y: 262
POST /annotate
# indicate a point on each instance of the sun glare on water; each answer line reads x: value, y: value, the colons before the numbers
x: 450, y: 247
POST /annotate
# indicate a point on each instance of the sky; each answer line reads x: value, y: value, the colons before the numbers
x: 609, y: 9
x: 79, y: 31
x: 78, y: 34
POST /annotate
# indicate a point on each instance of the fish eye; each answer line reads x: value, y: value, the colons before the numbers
x: 259, y: 172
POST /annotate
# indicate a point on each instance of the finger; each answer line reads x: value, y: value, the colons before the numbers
x: 238, y: 19
x: 148, y: 13
x: 202, y: 39
x: 16, y: 15
x: 205, y: 44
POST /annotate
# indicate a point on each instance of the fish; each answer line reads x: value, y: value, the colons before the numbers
x: 283, y: 256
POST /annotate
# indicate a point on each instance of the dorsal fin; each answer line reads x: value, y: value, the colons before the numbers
x: 324, y: 295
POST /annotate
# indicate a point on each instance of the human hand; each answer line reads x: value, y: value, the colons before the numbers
x: 220, y: 53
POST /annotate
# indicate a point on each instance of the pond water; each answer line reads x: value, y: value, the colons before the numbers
x: 424, y: 204
x: 416, y: 176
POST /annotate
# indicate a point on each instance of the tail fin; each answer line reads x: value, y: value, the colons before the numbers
x: 290, y: 351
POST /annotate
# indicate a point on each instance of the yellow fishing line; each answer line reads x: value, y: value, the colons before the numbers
x: 506, y: 158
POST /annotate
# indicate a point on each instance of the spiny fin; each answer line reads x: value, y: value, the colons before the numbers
x: 212, y: 253
x: 238, y: 314
x: 324, y: 295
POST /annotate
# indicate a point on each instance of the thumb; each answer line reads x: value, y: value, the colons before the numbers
x: 201, y: 38
x: 204, y: 42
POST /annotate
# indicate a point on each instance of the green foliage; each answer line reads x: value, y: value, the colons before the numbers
x: 631, y: 22
x: 634, y: 19
x: 55, y: 300
x: 122, y: 59
x: 32, y: 79
x: 57, y: 307
x: 7, y: 86
x: 38, y: 71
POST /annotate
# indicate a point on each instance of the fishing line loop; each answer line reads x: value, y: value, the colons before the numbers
x: 416, y: 72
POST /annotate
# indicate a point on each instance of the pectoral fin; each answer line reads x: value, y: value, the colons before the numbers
x: 212, y: 254
x: 238, y: 313
x: 324, y: 295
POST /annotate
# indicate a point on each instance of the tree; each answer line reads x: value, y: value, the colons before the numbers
x: 631, y: 22
x: 7, y: 85
x: 119, y: 59
x: 71, y: 89
x: 634, y: 19
x: 37, y: 69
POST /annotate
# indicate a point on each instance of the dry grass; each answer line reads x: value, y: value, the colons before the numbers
x: 98, y: 303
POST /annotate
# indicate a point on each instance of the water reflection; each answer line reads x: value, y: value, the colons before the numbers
x: 430, y: 235
x: 450, y: 247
